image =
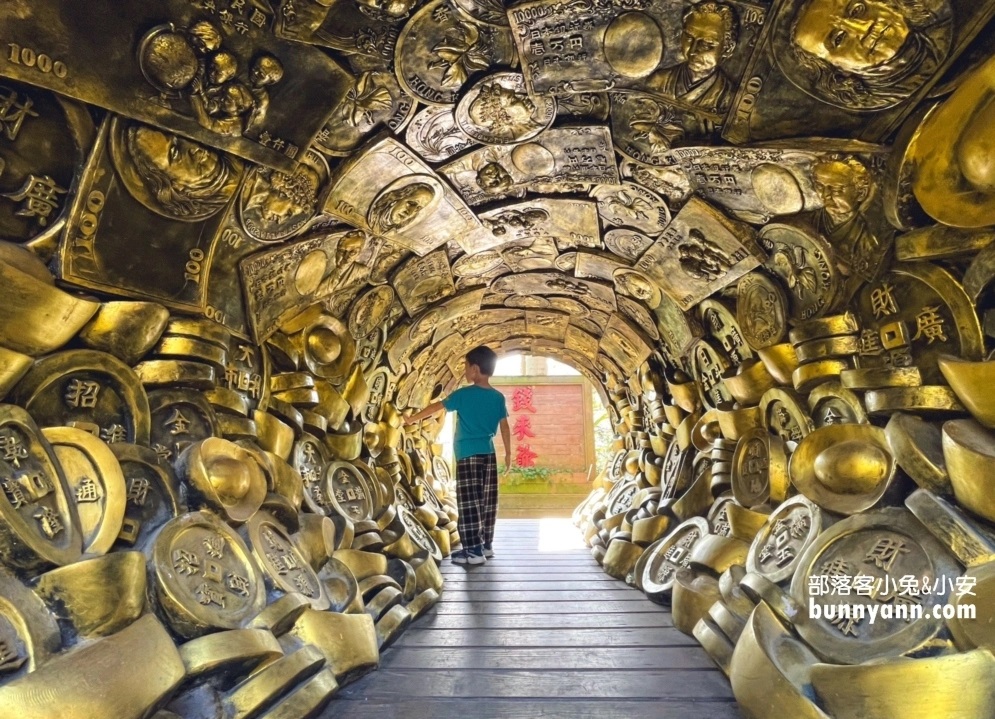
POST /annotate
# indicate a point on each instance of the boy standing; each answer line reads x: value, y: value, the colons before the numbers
x: 480, y: 410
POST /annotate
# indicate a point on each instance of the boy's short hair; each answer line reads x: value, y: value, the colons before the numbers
x: 484, y: 357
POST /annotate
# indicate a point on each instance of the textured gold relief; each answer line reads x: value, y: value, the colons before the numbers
x: 861, y: 90
x: 698, y: 253
x: 407, y: 204
x: 562, y: 159
x: 224, y: 83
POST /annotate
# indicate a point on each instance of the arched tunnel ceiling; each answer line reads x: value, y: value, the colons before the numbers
x: 595, y: 182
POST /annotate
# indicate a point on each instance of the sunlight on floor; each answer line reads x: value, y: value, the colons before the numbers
x: 558, y: 535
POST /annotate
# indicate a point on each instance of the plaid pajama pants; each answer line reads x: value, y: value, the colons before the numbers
x: 476, y: 499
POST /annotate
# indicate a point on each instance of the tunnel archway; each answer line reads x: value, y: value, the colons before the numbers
x: 243, y: 241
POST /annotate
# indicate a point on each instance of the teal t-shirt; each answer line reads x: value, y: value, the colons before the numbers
x: 479, y: 410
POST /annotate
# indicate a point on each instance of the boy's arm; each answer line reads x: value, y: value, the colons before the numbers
x: 506, y: 439
x: 433, y: 408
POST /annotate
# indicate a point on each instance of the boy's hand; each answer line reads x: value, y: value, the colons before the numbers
x: 507, y: 464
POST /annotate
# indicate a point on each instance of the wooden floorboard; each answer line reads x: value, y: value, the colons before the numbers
x: 538, y: 632
x: 660, y: 637
x: 592, y: 620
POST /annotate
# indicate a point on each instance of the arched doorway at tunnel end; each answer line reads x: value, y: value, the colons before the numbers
x: 560, y: 434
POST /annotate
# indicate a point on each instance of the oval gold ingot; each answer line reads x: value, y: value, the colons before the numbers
x: 852, y: 466
x: 264, y: 686
x: 98, y: 596
x: 324, y: 345
x: 972, y: 382
x: 751, y: 380
x: 101, y: 679
x: 633, y: 44
x: 205, y: 577
x: 969, y: 451
x: 38, y: 317
x: 692, y: 596
x: 126, y: 329
x: 845, y: 468
x: 780, y: 360
x: 96, y: 482
x: 954, y: 687
x: 769, y: 670
x: 237, y: 651
x: 224, y: 476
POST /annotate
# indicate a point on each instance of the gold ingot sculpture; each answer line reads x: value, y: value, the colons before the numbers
x: 263, y: 688
x: 308, y: 700
x: 954, y: 179
x: 647, y: 530
x: 715, y: 643
x: 38, y: 317
x: 362, y: 564
x: 99, y: 596
x: 917, y: 446
x: 348, y: 641
x: 692, y: 596
x: 975, y: 631
x: 101, y: 679
x: 972, y: 382
x: 744, y: 524
x: 769, y: 670
x: 845, y: 468
x: 224, y: 476
x: 954, y: 687
x: 962, y: 535
x: 969, y: 451
x: 127, y: 330
x: 280, y: 614
x: 234, y: 653
x: 274, y: 435
x: 748, y: 384
x: 13, y: 366
x: 40, y: 527
x: 316, y: 538
x: 620, y: 558
x: 780, y: 360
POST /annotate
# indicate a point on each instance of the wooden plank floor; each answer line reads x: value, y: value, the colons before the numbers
x: 540, y: 631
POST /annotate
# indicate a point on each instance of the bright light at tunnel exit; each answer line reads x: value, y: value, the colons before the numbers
x: 558, y: 535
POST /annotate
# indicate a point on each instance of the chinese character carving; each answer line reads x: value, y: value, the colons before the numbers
x: 13, y: 113
x: 885, y: 552
x: 186, y: 562
x: 206, y: 594
x: 177, y: 423
x: 87, y: 491
x: 13, y: 450
x: 114, y: 434
x: 82, y: 393
x: 138, y: 491
x: 238, y: 584
x: 215, y: 546
x: 40, y: 196
x: 930, y: 325
x: 51, y: 523
x: 883, y: 301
